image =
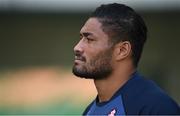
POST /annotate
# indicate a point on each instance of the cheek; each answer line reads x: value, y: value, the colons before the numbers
x: 100, y: 56
x: 90, y: 56
x: 91, y: 51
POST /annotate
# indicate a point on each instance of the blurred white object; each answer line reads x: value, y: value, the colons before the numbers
x: 85, y: 5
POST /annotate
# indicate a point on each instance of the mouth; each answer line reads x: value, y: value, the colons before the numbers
x: 77, y: 62
x: 79, y: 59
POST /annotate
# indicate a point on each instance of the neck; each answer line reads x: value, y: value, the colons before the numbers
x: 107, y: 87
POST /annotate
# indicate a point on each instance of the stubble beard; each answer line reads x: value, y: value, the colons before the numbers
x: 98, y: 68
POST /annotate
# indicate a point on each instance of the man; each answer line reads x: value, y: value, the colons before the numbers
x: 110, y: 46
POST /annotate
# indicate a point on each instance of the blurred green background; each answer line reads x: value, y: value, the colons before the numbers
x: 44, y: 41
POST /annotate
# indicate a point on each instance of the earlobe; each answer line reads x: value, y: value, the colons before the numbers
x: 123, y: 50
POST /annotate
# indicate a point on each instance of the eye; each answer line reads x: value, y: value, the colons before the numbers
x: 90, y: 39
x: 80, y: 37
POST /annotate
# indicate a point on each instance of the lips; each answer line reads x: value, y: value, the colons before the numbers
x: 77, y: 62
x: 79, y: 59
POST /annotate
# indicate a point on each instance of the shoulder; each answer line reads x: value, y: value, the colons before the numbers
x: 145, y: 97
x: 156, y: 101
x: 88, y: 108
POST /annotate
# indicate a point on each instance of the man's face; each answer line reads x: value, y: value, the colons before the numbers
x: 93, y: 53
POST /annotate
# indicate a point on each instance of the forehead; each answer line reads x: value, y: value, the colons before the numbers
x: 93, y: 26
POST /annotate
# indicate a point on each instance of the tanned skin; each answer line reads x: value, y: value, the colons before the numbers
x: 94, y: 41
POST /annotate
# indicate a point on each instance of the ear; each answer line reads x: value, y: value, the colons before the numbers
x: 122, y: 50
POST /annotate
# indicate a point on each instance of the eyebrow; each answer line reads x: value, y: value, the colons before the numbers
x: 85, y: 34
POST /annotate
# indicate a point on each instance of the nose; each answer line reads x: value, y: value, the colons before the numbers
x: 78, y: 47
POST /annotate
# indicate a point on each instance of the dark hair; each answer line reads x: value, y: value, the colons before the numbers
x: 122, y: 23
